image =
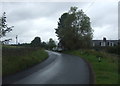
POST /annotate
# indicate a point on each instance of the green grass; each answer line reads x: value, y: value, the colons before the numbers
x: 0, y: 60
x: 15, y: 59
x: 0, y: 66
x: 106, y: 71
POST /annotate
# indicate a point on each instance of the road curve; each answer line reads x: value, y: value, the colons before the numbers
x: 57, y: 69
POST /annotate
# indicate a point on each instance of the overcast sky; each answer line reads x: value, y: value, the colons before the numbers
x: 31, y: 19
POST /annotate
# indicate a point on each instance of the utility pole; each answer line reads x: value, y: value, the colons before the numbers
x: 16, y: 39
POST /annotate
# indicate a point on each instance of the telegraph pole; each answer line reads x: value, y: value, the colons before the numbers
x: 16, y: 39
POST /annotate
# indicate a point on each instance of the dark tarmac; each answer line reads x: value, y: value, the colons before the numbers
x: 57, y: 69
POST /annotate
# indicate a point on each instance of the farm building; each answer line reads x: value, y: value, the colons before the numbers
x: 105, y: 42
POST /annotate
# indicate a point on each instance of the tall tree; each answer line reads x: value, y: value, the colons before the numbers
x: 4, y: 27
x: 36, y: 42
x: 51, y: 44
x: 44, y: 45
x: 74, y: 29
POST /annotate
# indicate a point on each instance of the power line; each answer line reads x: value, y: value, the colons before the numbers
x: 90, y: 6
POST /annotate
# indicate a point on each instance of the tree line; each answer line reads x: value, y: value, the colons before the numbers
x: 37, y: 43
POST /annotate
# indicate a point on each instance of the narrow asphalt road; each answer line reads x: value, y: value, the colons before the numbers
x: 57, y: 69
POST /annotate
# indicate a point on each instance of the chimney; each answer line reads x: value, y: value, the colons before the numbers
x: 104, y: 39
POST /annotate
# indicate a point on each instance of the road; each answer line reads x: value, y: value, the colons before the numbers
x: 57, y: 69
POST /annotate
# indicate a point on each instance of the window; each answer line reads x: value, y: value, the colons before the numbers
x: 100, y: 43
x: 108, y: 43
x: 111, y: 44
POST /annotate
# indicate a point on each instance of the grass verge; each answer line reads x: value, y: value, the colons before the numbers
x: 106, y: 71
x: 15, y: 59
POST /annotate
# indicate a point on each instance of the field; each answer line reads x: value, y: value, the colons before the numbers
x: 15, y: 59
x: 106, y: 71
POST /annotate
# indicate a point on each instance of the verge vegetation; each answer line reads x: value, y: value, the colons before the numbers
x: 106, y: 71
x: 15, y: 59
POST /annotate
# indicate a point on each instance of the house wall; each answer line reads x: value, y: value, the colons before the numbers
x: 105, y: 43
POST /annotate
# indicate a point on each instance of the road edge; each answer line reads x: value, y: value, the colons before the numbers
x: 91, y: 72
x: 19, y: 75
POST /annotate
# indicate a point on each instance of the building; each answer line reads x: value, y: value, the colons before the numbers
x: 105, y: 42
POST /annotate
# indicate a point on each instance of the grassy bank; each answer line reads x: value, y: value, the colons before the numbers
x: 15, y: 59
x: 106, y: 71
x: 0, y: 60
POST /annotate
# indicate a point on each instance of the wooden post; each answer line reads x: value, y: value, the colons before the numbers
x: 99, y: 59
x: 16, y: 39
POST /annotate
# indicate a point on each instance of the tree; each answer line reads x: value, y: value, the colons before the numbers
x: 74, y: 30
x: 44, y: 45
x: 36, y: 42
x: 51, y: 44
x: 4, y: 27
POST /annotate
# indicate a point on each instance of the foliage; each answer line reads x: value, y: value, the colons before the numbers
x: 4, y: 27
x: 74, y: 29
x: 51, y: 44
x: 109, y: 49
x: 44, y: 45
x: 36, y: 42
x: 23, y: 44
x: 114, y: 50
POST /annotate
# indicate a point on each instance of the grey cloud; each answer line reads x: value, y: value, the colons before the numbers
x: 102, y: 15
x: 24, y: 11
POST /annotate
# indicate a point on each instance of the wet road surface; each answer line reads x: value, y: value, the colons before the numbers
x: 57, y: 69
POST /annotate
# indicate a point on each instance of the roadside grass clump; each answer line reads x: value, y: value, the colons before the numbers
x: 106, y: 71
x: 15, y: 59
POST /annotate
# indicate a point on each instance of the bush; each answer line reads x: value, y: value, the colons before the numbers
x: 114, y: 50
